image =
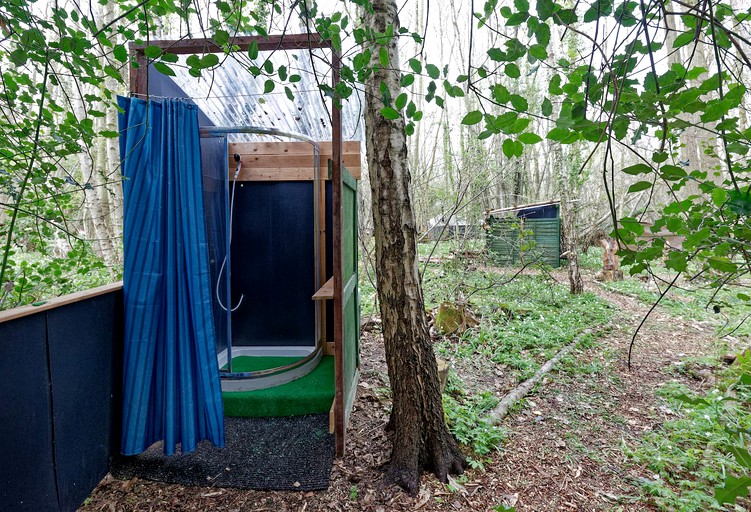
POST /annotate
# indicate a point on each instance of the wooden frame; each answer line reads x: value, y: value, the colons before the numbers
x: 139, y: 87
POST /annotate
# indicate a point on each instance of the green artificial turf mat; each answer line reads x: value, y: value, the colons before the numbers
x: 311, y: 394
x: 254, y: 364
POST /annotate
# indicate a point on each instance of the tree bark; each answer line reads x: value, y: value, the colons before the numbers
x: 421, y: 439
x: 570, y: 245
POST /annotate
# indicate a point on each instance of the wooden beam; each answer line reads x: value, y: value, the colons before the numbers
x: 139, y: 76
x: 242, y: 43
x: 273, y: 174
x: 290, y: 148
x: 12, y: 314
x: 288, y: 161
x: 281, y: 161
x: 322, y: 262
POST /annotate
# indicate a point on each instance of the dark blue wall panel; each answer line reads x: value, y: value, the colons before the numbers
x: 85, y: 343
x: 27, y: 473
x: 273, y: 264
x: 549, y: 211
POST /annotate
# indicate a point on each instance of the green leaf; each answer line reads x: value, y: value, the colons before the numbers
x: 517, y: 19
x: 530, y: 138
x: 473, y: 117
x: 715, y: 109
x: 740, y: 202
x: 545, y: 9
x: 637, y: 169
x: 496, y: 54
x: 209, y: 60
x: 282, y: 73
x: 563, y: 136
x: 389, y: 113
x: 684, y: 39
x: 416, y: 65
x: 592, y: 13
x: 554, y: 87
x: 742, y: 457
x: 547, y: 107
x: 383, y: 57
x: 221, y: 37
x: 114, y: 73
x: 542, y: 33
x: 407, y: 80
x: 722, y: 264
x: 164, y: 69
x: 691, y: 400
x: 120, y: 52
x: 512, y: 70
x: 732, y: 489
x: 719, y: 196
x: 519, y: 103
x: 538, y: 51
x: 152, y: 52
x: 521, y: 5
x: 639, y: 186
x: 401, y: 101
x: 268, y: 86
x: 253, y: 50
x: 508, y: 148
x: 433, y: 71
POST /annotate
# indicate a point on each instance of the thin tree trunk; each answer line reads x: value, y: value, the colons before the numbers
x: 421, y: 439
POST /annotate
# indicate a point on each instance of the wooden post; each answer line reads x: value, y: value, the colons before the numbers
x: 336, y: 200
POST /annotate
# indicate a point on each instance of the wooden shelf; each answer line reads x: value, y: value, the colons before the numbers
x: 326, y: 291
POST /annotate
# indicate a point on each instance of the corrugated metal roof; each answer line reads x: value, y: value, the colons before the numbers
x: 231, y: 96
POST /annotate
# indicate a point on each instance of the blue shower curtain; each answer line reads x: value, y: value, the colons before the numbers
x: 171, y: 386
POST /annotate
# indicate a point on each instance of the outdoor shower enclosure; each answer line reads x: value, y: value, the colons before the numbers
x: 282, y: 236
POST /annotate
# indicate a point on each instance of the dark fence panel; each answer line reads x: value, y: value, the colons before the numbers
x: 27, y: 464
x: 85, y: 346
x: 60, y: 379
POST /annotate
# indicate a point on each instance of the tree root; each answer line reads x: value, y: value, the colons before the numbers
x: 448, y: 461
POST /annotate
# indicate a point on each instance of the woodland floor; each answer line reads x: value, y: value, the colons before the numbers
x: 564, y: 449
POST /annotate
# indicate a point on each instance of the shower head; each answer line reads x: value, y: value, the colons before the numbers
x: 239, y: 165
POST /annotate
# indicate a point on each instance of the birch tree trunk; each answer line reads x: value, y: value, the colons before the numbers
x: 421, y: 439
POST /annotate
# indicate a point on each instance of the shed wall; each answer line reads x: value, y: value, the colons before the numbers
x: 507, y: 247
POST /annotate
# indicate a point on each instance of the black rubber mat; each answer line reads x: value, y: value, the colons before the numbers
x: 292, y: 453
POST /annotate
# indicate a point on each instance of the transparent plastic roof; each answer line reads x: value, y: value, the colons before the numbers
x: 230, y: 95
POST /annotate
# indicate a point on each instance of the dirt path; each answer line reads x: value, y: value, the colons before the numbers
x: 563, y: 451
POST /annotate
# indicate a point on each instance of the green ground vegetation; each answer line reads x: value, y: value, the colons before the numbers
x: 523, y: 321
x: 699, y: 460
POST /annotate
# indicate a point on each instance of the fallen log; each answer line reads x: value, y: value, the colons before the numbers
x: 501, y: 410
